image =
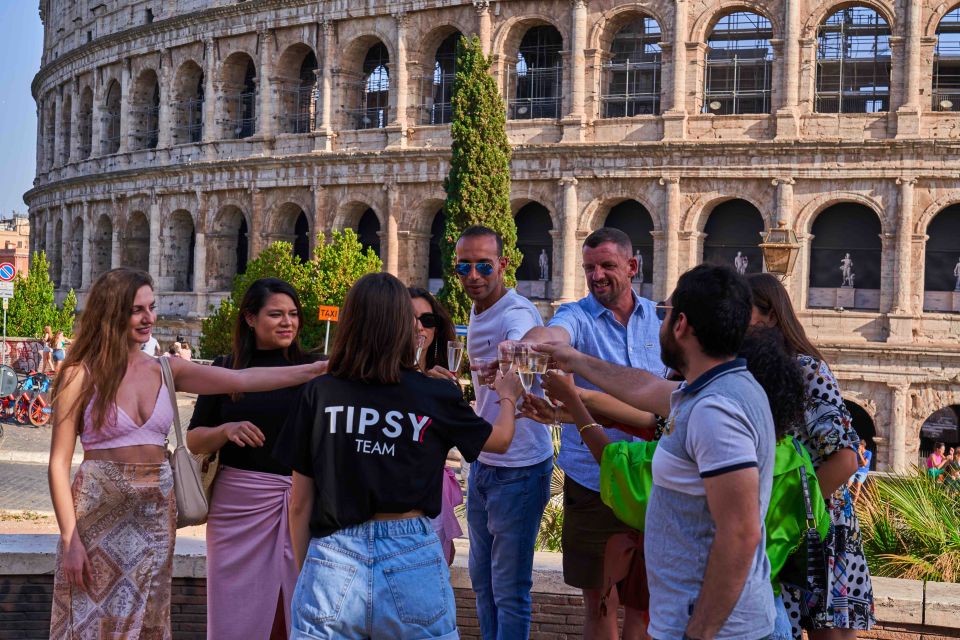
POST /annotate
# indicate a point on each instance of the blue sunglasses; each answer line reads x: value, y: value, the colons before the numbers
x: 485, y: 269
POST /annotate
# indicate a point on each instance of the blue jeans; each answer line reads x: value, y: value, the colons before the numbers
x: 782, y: 629
x: 504, y: 507
x: 381, y: 579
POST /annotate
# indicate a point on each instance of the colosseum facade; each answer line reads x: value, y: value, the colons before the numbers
x: 183, y: 136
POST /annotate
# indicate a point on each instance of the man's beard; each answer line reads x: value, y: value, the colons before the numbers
x: 612, y: 294
x: 670, y: 352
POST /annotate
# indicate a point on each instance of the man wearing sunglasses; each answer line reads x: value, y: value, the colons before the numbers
x: 506, y: 493
x: 614, y: 324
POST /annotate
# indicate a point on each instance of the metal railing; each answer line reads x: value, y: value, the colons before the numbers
x: 110, y: 139
x: 241, y: 111
x: 946, y: 99
x: 371, y: 118
x: 537, y: 93
x: 298, y: 108
x: 631, y: 88
x: 189, y: 115
x: 437, y: 109
x: 852, y: 102
x: 147, y: 136
x: 737, y: 86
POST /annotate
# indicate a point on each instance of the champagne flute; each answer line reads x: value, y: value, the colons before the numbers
x: 421, y: 339
x: 552, y: 368
x: 526, y: 375
x: 480, y: 365
x: 454, y: 355
x: 505, y: 355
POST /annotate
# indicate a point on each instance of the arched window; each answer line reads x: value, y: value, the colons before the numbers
x: 941, y: 273
x: 85, y: 124
x: 368, y: 231
x: 226, y: 248
x: 145, y: 111
x: 65, y: 128
x: 862, y: 423
x: 136, y: 244
x: 733, y: 233
x: 371, y: 102
x: 299, y: 89
x: 845, y: 255
x: 102, y: 247
x: 435, y: 259
x: 632, y: 76
x: 633, y: 219
x: 940, y: 426
x: 738, y: 66
x: 177, y: 266
x: 946, y: 64
x: 853, y: 62
x: 533, y: 240
x: 110, y: 136
x: 188, y: 107
x: 56, y: 254
x: 239, y: 96
x: 301, y: 237
x: 538, y: 76
x: 438, y: 109
x: 49, y: 131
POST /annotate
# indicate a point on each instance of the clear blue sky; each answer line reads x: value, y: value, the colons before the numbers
x: 21, y: 42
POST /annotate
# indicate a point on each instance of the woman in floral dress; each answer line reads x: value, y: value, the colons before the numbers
x: 829, y: 437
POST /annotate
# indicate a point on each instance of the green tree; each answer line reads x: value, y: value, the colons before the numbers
x: 478, y: 186
x: 323, y: 280
x: 33, y: 305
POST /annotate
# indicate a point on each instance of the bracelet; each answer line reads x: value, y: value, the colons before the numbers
x: 580, y: 430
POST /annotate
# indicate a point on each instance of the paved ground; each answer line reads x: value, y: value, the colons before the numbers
x: 24, y: 452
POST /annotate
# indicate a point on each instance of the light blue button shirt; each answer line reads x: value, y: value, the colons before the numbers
x: 595, y: 331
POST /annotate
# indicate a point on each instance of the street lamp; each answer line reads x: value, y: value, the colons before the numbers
x: 780, y: 250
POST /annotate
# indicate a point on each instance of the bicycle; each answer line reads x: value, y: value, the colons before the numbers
x: 28, y: 403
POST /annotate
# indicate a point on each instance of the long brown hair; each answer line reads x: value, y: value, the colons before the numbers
x: 444, y: 331
x: 376, y: 338
x: 102, y: 343
x: 772, y: 299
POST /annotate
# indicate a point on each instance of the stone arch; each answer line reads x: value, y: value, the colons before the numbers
x: 825, y: 10
x: 145, y: 111
x: 737, y: 73
x: 434, y: 257
x: 507, y: 38
x: 635, y: 219
x: 733, y: 231
x: 941, y: 253
x: 189, y: 95
x: 66, y: 130
x: 49, y: 129
x: 845, y: 230
x: 289, y: 222
x: 696, y: 216
x: 85, y: 123
x: 935, y: 15
x: 534, y: 224
x: 102, y: 246
x: 809, y: 212
x: 110, y: 125
x: 136, y: 242
x: 297, y: 84
x: 863, y: 423
x: 940, y: 425
x: 614, y: 19
x: 439, y: 71
x: 177, y: 252
x: 349, y: 213
x: 595, y: 213
x: 536, y: 71
x: 706, y: 21
x: 241, y: 83
x: 630, y: 77
x: 368, y: 230
x: 367, y: 82
x: 227, y: 247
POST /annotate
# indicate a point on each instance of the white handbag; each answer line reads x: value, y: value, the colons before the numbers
x: 188, y: 487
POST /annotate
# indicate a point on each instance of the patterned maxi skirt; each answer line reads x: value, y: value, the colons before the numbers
x: 126, y: 519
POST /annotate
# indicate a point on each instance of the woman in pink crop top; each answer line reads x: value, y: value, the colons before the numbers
x: 118, y: 518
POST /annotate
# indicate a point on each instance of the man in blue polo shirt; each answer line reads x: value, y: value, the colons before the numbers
x: 615, y: 324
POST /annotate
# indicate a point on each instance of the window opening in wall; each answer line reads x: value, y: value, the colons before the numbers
x: 85, y: 124
x: 111, y: 120
x: 299, y: 99
x: 146, y: 113
x: 738, y: 65
x: 242, y: 247
x: 241, y: 105
x: 538, y: 76
x: 49, y: 133
x: 189, y: 109
x: 632, y: 76
x: 946, y: 64
x: 368, y: 231
x: 149, y: 15
x: 301, y: 238
x: 438, y: 109
x: 89, y: 36
x: 65, y: 128
x: 373, y: 91
x: 853, y: 62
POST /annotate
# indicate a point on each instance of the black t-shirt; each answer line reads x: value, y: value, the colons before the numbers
x: 377, y: 448
x: 266, y: 409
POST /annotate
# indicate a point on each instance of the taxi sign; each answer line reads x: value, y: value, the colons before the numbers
x: 329, y: 313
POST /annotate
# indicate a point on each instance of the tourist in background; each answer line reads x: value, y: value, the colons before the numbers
x: 435, y: 329
x: 173, y: 351
x: 614, y: 324
x: 59, y: 345
x: 46, y: 350
x: 151, y: 347
x: 248, y: 541
x: 830, y: 439
x: 186, y: 352
x: 936, y: 462
x: 117, y: 524
x: 367, y: 444
x: 507, y: 492
x: 864, y: 457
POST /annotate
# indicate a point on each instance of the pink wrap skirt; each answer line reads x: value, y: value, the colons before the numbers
x: 249, y: 554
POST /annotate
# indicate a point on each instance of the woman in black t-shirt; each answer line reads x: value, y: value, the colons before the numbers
x: 367, y: 444
x: 248, y: 541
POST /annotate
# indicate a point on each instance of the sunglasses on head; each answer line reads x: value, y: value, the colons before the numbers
x: 427, y: 320
x: 485, y: 269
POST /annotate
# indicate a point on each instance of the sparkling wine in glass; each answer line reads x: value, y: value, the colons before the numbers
x: 454, y: 355
x: 526, y: 378
x: 505, y: 356
x: 420, y: 341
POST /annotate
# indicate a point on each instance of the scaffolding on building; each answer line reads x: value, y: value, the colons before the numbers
x: 853, y: 63
x: 946, y: 64
x: 536, y: 81
x: 189, y: 118
x: 438, y: 89
x: 298, y: 107
x: 110, y: 126
x: 241, y: 111
x: 739, y: 63
x: 147, y: 134
x: 631, y: 79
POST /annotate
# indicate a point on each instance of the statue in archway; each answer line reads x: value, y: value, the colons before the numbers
x: 740, y: 263
x: 639, y: 275
x: 956, y: 274
x: 846, y: 269
x: 544, y: 265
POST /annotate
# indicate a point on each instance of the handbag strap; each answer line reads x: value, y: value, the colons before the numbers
x: 171, y: 390
x: 807, y: 503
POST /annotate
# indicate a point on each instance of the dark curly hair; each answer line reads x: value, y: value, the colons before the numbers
x: 780, y: 376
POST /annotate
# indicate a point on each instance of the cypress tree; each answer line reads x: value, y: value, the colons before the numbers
x: 478, y: 185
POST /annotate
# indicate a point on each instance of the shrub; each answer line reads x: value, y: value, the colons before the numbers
x: 33, y: 307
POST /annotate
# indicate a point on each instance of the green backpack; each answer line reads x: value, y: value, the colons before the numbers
x: 626, y: 478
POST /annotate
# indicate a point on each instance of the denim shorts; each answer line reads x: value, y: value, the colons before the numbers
x: 380, y: 579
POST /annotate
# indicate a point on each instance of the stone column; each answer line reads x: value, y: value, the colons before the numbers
x: 116, y: 246
x: 57, y: 149
x: 899, y: 410
x: 319, y: 214
x: 124, y: 107
x: 96, y: 119
x: 49, y: 234
x: 578, y: 43
x: 155, y: 232
x: 788, y: 123
x: 164, y: 126
x: 86, y: 258
x: 324, y: 141
x: 265, y: 97
x: 401, y: 85
x: 390, y: 241
x: 908, y: 115
x: 199, y: 263
x: 66, y: 249
x: 675, y: 118
x: 74, y: 150
x: 671, y: 237
x: 257, y: 213
x: 902, y: 275
x: 210, y: 94
x: 785, y: 212
x: 569, y: 240
x: 483, y: 24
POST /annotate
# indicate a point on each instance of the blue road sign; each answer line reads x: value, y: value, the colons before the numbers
x: 7, y: 271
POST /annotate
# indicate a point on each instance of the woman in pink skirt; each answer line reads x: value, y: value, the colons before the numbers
x: 248, y: 542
